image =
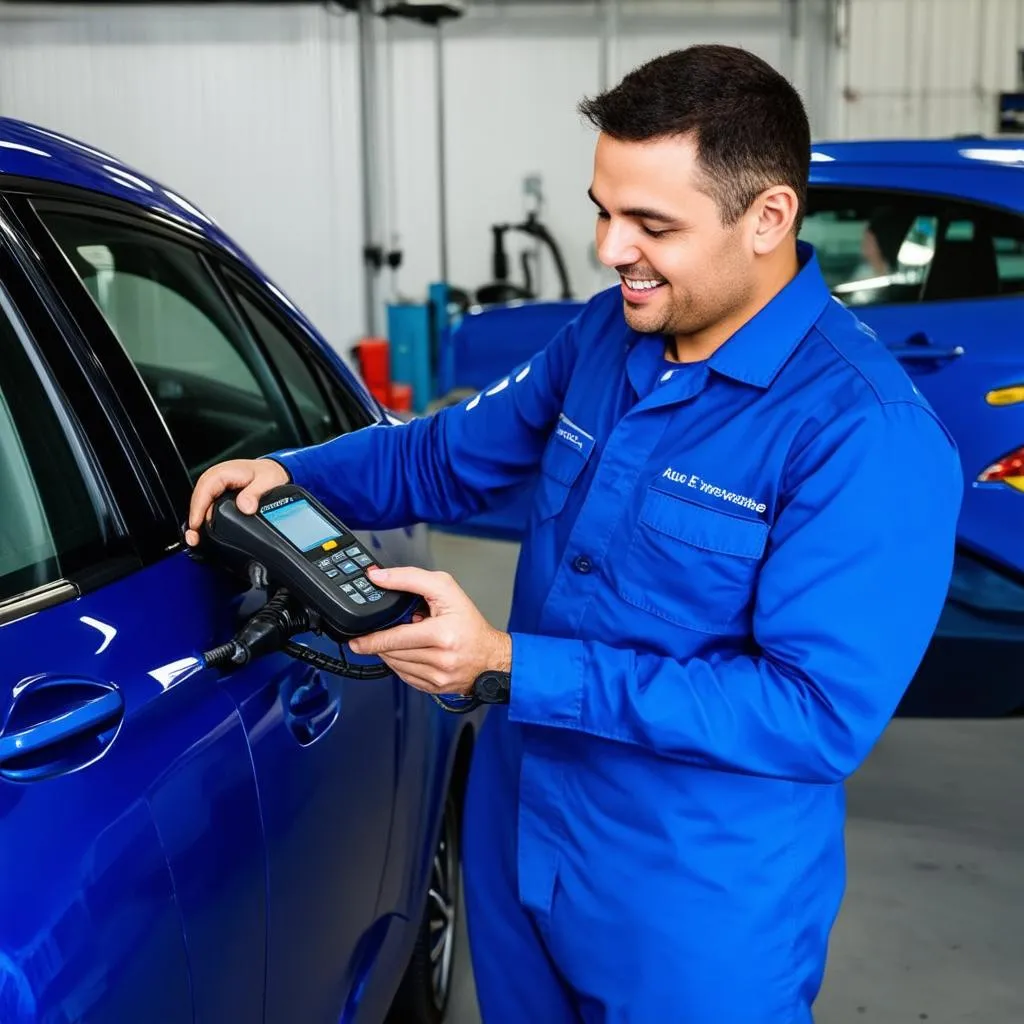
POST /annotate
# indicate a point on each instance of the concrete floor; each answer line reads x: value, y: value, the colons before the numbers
x: 932, y: 928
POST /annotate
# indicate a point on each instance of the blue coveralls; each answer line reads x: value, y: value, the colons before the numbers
x: 731, y: 572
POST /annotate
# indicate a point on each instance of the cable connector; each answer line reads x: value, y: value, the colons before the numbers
x: 267, y: 631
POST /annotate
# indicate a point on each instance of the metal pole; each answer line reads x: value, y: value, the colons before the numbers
x: 607, y: 58
x: 442, y: 176
x: 370, y: 162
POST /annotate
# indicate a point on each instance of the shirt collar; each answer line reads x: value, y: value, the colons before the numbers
x: 760, y: 348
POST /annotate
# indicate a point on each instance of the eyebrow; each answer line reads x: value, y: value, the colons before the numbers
x: 639, y: 212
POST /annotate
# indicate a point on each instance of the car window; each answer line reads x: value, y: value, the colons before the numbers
x: 298, y: 376
x: 49, y: 523
x: 209, y: 380
x: 877, y: 246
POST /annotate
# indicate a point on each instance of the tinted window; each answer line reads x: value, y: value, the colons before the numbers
x: 298, y: 376
x: 49, y: 522
x: 887, y: 247
x: 207, y: 377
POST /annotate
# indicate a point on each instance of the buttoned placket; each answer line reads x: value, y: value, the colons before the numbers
x: 626, y: 453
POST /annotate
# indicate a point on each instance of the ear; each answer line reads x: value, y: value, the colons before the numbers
x: 774, y: 211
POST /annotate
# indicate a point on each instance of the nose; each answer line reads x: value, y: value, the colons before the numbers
x: 616, y: 246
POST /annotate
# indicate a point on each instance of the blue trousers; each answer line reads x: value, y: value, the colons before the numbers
x: 593, y: 957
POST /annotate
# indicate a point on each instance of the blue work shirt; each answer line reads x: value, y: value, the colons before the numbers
x: 731, y: 573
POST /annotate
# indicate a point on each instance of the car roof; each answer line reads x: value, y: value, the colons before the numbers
x: 976, y: 168
x: 964, y: 151
x: 30, y: 151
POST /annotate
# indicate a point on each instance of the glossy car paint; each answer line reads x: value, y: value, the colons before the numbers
x: 220, y: 849
x: 989, y: 332
x: 489, y: 341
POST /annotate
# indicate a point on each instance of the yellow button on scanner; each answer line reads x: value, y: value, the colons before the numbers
x: 330, y: 545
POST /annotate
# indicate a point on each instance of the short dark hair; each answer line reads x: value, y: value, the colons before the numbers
x: 749, y: 124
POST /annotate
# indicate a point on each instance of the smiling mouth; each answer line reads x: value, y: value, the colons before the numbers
x: 640, y: 287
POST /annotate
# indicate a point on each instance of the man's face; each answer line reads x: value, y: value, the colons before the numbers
x: 682, y: 270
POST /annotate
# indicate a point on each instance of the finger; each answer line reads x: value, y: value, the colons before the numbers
x: 408, y: 636
x: 429, y: 658
x: 439, y: 588
x: 411, y: 675
x: 210, y: 486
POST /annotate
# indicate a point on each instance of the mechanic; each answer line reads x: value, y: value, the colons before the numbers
x: 740, y: 545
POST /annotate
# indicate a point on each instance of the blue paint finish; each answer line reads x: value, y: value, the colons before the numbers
x: 990, y: 333
x: 252, y: 846
x: 90, y: 920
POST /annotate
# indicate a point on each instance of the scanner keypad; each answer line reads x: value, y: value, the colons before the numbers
x: 349, y: 565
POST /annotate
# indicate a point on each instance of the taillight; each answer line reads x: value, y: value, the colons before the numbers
x: 1008, y: 470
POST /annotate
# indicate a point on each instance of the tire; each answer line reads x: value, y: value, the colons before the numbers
x: 425, y: 990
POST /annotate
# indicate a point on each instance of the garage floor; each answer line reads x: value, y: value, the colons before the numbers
x: 933, y: 924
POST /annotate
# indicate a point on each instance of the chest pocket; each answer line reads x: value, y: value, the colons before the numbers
x: 690, y: 564
x: 567, y: 452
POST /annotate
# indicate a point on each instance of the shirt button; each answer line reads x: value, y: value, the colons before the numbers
x: 582, y: 564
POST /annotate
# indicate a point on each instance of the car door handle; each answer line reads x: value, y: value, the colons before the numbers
x: 309, y: 699
x: 63, y: 727
x: 918, y: 348
x: 312, y: 709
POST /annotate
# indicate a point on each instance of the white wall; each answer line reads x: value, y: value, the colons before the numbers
x: 928, y: 67
x: 251, y: 112
x: 248, y: 113
x: 512, y: 87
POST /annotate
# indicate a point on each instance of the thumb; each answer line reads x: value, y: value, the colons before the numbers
x: 439, y: 589
x: 248, y: 499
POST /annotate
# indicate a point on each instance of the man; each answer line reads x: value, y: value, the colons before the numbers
x: 740, y: 545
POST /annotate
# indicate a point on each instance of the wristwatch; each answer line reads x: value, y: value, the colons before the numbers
x: 490, y: 687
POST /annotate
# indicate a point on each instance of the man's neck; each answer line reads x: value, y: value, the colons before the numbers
x: 694, y: 348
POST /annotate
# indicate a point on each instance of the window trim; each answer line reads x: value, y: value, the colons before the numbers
x: 30, y: 602
x: 944, y: 202
x: 350, y: 414
x: 139, y: 428
x: 100, y: 459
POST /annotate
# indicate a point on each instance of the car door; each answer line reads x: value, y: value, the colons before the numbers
x: 116, y: 750
x: 425, y: 737
x: 942, y: 283
x: 323, y: 747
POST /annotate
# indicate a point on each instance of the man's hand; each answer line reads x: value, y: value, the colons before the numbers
x: 253, y: 477
x: 441, y: 653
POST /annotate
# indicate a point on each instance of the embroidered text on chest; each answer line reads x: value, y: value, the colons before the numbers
x: 692, y: 480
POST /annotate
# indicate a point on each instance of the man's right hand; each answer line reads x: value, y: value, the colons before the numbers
x: 251, y: 477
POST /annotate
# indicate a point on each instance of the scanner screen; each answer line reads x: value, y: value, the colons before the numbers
x: 301, y: 524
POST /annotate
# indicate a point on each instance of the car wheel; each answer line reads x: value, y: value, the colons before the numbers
x: 426, y: 988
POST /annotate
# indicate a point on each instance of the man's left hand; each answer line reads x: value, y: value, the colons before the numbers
x: 443, y: 652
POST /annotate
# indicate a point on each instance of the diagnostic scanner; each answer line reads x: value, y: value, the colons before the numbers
x: 293, y: 541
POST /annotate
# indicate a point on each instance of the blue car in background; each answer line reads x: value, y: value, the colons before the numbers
x: 925, y: 240
x: 276, y: 844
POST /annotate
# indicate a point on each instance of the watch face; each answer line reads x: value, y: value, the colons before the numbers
x: 493, y: 687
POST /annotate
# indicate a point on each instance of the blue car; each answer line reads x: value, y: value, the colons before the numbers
x: 925, y: 239
x: 180, y: 843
